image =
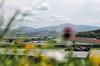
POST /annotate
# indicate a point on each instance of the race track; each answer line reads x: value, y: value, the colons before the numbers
x: 79, y: 54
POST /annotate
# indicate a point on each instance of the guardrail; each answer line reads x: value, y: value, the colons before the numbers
x: 58, y: 45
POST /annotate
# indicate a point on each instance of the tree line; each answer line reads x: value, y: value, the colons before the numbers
x: 89, y: 34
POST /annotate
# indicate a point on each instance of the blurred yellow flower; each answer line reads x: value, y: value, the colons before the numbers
x: 26, y: 51
x: 43, y: 46
x: 37, y: 55
x: 95, y: 59
x: 14, y: 50
x: 50, y: 65
x: 24, y: 63
x: 29, y: 46
x: 43, y: 58
x: 70, y: 64
x: 43, y: 63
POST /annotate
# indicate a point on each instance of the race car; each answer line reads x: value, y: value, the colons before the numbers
x: 78, y: 48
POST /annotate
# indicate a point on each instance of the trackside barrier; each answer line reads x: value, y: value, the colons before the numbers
x: 58, y: 45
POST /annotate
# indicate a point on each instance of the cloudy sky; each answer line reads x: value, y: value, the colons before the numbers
x: 41, y: 13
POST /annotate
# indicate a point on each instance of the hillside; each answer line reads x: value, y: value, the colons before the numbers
x: 90, y: 34
x: 77, y: 28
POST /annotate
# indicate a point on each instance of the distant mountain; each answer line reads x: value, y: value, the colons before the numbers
x: 43, y: 33
x: 25, y: 29
x: 77, y: 28
x: 52, y: 30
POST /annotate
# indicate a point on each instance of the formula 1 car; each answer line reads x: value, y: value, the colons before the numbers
x: 78, y: 48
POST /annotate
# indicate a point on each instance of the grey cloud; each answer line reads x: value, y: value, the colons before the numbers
x: 32, y: 19
x: 55, y: 16
x: 42, y: 6
x: 28, y: 12
x: 25, y: 10
x: 59, y: 18
x: 39, y: 18
x: 61, y: 11
x: 26, y: 19
x: 81, y: 1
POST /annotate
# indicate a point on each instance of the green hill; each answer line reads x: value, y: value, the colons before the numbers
x: 89, y: 34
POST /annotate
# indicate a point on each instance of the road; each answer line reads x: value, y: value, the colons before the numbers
x: 79, y: 54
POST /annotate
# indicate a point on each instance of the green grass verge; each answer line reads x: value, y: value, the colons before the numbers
x: 85, y: 42
x: 95, y: 48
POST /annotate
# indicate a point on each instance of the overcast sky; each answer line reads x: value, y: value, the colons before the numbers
x: 41, y: 13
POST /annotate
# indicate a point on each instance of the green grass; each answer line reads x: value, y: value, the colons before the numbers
x: 95, y: 48
x: 86, y: 42
x: 83, y: 42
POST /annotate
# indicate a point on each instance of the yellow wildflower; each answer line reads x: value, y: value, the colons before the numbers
x: 29, y: 46
x: 14, y: 50
x: 95, y: 58
x: 43, y: 46
x: 43, y: 63
x: 43, y: 58
x: 33, y: 46
x: 26, y: 51
x: 24, y: 63
x: 70, y: 64
x: 37, y: 55
x: 50, y: 65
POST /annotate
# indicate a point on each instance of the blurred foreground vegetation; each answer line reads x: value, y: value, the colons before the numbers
x: 50, y: 59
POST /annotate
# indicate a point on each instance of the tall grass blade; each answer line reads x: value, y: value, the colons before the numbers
x: 1, y: 3
x: 1, y: 18
x: 9, y: 23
